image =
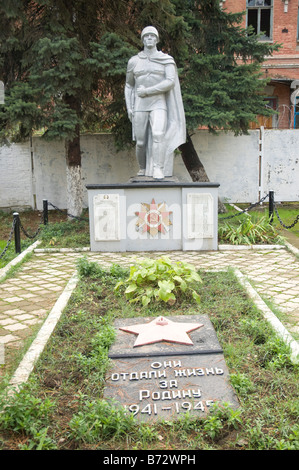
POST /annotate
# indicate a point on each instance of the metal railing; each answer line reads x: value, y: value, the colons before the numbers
x: 272, y: 210
x: 17, y: 227
x: 237, y: 214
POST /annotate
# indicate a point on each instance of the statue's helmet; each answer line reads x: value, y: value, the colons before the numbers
x: 150, y: 29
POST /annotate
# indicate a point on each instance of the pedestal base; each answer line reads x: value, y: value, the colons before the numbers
x: 153, y: 216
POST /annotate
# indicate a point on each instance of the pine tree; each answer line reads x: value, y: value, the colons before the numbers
x: 219, y: 68
x: 63, y: 63
x: 53, y: 81
x: 221, y: 79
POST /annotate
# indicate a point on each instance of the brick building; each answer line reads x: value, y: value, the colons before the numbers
x: 278, y: 21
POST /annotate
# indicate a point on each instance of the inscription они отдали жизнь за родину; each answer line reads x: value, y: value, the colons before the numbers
x: 168, y: 396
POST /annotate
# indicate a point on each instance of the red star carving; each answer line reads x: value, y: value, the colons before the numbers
x: 162, y: 329
x: 153, y: 218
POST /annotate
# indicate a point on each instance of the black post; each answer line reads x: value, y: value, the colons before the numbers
x: 16, y: 219
x: 45, y: 211
x: 271, y: 206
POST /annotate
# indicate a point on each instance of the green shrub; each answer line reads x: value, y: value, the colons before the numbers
x: 39, y: 441
x: 97, y: 359
x: 89, y: 269
x: 93, y: 269
x: 249, y: 232
x: 160, y: 280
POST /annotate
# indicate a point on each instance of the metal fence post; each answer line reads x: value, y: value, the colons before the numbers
x: 16, y: 219
x: 271, y: 206
x: 45, y: 211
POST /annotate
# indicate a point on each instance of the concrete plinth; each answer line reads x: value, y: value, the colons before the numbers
x: 153, y: 216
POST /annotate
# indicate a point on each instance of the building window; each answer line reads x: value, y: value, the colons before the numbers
x: 259, y: 17
x: 268, y: 122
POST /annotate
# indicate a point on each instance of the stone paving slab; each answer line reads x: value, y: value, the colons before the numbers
x: 28, y: 297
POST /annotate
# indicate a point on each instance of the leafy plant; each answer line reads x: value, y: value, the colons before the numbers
x: 89, y: 269
x: 277, y: 354
x: 40, y: 441
x: 213, y: 426
x: 256, y: 329
x: 160, y: 280
x: 249, y: 232
x: 241, y: 383
x: 100, y: 419
x: 221, y: 415
x: 24, y: 412
x: 97, y: 359
x: 93, y: 270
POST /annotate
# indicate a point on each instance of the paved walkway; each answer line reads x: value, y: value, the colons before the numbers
x: 27, y: 297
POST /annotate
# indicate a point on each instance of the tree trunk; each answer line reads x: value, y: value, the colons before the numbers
x: 195, y: 167
x: 193, y: 164
x: 73, y: 168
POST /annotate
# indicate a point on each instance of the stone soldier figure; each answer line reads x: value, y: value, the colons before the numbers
x: 155, y: 107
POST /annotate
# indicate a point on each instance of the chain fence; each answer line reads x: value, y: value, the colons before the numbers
x: 271, y: 210
x: 281, y: 222
x: 9, y: 239
x: 36, y: 233
x: 67, y: 213
x: 237, y: 214
x: 17, y: 224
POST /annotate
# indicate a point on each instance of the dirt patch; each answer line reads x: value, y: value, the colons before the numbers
x: 30, y: 220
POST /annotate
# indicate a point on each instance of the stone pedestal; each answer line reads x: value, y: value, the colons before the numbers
x: 153, y: 216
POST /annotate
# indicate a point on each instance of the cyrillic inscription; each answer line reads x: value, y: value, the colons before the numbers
x: 169, y: 388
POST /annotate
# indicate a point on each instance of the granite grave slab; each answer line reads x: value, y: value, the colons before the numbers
x: 166, y: 379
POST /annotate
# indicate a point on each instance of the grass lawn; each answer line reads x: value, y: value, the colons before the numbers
x: 62, y: 406
x: 10, y: 253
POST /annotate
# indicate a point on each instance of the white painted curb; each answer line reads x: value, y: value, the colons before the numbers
x: 26, y: 366
x: 61, y: 250
x: 220, y: 248
x: 292, y: 248
x: 250, y: 247
x: 270, y: 317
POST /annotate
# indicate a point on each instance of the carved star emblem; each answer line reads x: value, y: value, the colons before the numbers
x: 153, y: 218
x: 162, y: 329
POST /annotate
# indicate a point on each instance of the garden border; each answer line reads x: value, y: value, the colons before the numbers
x: 30, y: 358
